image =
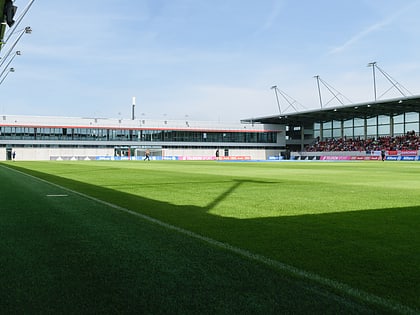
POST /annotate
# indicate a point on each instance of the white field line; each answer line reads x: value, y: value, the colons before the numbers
x: 57, y: 195
x: 338, y: 286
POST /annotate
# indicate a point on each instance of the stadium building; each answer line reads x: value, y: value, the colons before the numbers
x: 69, y: 138
x: 273, y: 137
x: 265, y: 138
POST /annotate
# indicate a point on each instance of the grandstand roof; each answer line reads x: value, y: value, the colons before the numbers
x: 390, y: 107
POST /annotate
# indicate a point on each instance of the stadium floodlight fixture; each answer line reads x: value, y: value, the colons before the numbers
x: 19, y: 19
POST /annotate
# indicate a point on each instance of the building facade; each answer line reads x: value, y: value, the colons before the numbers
x: 55, y: 138
x: 369, y: 127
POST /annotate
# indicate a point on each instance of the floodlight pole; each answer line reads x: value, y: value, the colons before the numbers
x: 5, y: 76
x: 6, y: 67
x: 26, y: 30
x: 373, y: 65
x: 274, y: 87
x: 319, y: 90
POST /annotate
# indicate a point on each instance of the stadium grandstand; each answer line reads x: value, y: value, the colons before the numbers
x: 356, y: 131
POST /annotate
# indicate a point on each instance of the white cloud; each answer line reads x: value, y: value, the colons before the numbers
x: 373, y: 28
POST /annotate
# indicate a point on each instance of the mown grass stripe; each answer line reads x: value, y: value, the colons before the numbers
x: 335, y: 285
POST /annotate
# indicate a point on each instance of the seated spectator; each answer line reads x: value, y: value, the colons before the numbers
x: 409, y: 141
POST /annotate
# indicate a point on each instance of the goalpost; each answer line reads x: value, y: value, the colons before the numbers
x: 140, y: 153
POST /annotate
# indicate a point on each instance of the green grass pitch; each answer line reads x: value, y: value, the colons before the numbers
x: 256, y: 238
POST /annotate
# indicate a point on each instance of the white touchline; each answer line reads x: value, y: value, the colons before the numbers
x: 336, y: 285
x: 57, y: 195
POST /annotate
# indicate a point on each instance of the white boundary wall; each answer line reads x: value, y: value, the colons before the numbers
x: 39, y: 154
x: 46, y: 154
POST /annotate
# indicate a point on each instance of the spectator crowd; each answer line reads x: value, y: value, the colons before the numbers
x: 409, y: 141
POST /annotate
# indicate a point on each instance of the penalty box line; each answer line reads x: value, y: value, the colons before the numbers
x: 336, y: 285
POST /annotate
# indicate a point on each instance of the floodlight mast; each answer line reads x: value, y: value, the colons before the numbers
x: 274, y: 87
x: 319, y: 90
x: 394, y: 84
x: 7, y: 73
x: 26, y: 30
x: 290, y: 100
x: 6, y: 67
x: 334, y: 92
x: 373, y: 65
x: 8, y: 20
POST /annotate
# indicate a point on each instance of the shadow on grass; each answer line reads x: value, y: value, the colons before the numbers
x: 374, y: 250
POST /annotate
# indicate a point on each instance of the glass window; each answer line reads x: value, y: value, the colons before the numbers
x: 399, y: 119
x: 371, y: 132
x: 337, y: 133
x: 383, y: 120
x: 348, y: 123
x: 398, y: 129
x: 327, y: 133
x: 411, y: 117
x: 359, y: 132
x: 327, y: 125
x: 359, y: 122
x: 371, y: 121
x: 348, y: 132
x: 383, y: 130
x: 412, y: 126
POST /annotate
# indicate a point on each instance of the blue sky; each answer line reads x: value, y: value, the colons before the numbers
x: 207, y: 59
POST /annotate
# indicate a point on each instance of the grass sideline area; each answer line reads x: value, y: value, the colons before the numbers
x: 353, y: 222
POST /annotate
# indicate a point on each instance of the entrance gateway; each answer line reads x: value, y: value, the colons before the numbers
x: 9, y: 154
